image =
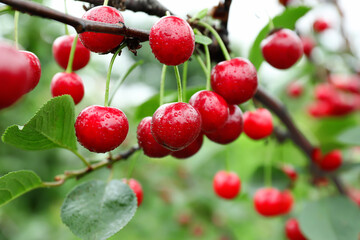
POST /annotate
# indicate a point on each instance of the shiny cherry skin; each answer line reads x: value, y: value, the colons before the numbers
x: 258, y: 124
x: 331, y: 161
x: 147, y: 142
x: 61, y: 50
x: 235, y: 80
x: 308, y: 45
x: 287, y: 202
x: 14, y: 72
x: 232, y: 128
x: 226, y: 184
x: 67, y: 83
x: 282, y: 49
x: 172, y: 40
x: 137, y: 189
x: 268, y: 202
x: 190, y: 150
x: 320, y: 25
x: 295, y: 89
x: 102, y: 42
x: 176, y: 125
x: 292, y: 230
x: 212, y: 108
x: 35, y: 69
x: 290, y: 172
x: 101, y: 129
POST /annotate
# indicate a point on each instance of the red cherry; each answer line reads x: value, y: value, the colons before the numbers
x: 136, y: 187
x: 235, y: 80
x: 320, y: 109
x: 284, y: 2
x: 258, y: 124
x: 268, y: 202
x: 35, y: 69
x: 147, y: 142
x: 295, y: 89
x: 190, y: 150
x: 232, y: 128
x: 176, y: 125
x: 331, y: 161
x: 287, y: 202
x: 282, y: 49
x: 349, y: 83
x: 308, y: 45
x: 102, y: 42
x: 226, y: 184
x: 61, y: 50
x: 320, y: 25
x: 316, y: 155
x: 212, y: 108
x: 67, y: 83
x: 172, y: 40
x: 292, y: 230
x: 14, y: 72
x: 101, y: 129
x: 290, y: 172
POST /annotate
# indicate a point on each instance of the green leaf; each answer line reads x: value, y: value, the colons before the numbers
x: 203, y: 39
x: 14, y: 184
x: 279, y: 179
x: 287, y: 19
x: 335, y: 218
x: 350, y: 136
x: 97, y: 210
x: 52, y: 126
x: 200, y: 15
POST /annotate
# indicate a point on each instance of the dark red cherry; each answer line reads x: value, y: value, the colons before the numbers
x: 61, y: 50
x: 268, y: 202
x: 292, y: 230
x: 235, y: 80
x: 226, y: 184
x: 102, y: 42
x: 232, y: 128
x: 172, y: 40
x: 147, y: 142
x: 331, y: 161
x: 320, y: 25
x: 14, y: 72
x: 190, y: 150
x: 212, y: 108
x: 101, y: 129
x: 290, y: 172
x: 295, y: 89
x: 137, y: 188
x: 284, y: 2
x: 176, y: 125
x: 308, y: 45
x: 282, y: 49
x: 316, y: 155
x: 258, y: 124
x: 35, y: 69
x: 67, y: 83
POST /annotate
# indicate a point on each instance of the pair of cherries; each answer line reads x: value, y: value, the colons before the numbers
x: 20, y: 73
x: 328, y: 162
x: 271, y: 202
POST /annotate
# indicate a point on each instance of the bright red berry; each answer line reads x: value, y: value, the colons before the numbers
x: 258, y: 124
x: 212, y: 108
x: 270, y: 202
x: 67, y: 83
x: 102, y: 42
x: 308, y: 45
x: 147, y: 142
x: 190, y: 150
x: 34, y: 68
x: 290, y: 172
x: 320, y: 25
x: 176, y: 125
x: 348, y: 83
x: 61, y: 50
x: 136, y: 187
x: 316, y: 155
x: 226, y: 184
x: 232, y: 128
x: 331, y: 161
x: 295, y: 89
x: 101, y: 129
x: 292, y: 230
x: 172, y: 40
x: 287, y: 201
x: 282, y: 49
x: 235, y: 80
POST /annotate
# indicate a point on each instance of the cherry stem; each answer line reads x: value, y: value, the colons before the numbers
x: 218, y: 39
x: 178, y: 79
x: 184, y: 80
x: 207, y: 70
x: 132, y: 166
x: 107, y: 89
x: 106, y: 2
x: 227, y: 167
x: 16, y: 23
x: 72, y: 55
x: 167, y: 13
x: 122, y: 80
x: 202, y: 64
x: 66, y: 26
x: 162, y: 85
x: 82, y: 158
x: 268, y: 165
x: 271, y: 23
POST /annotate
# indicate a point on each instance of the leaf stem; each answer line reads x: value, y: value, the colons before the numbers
x: 5, y: 9
x: 106, y: 2
x: 72, y: 55
x: 16, y: 32
x: 207, y: 70
x: 162, y: 85
x: 66, y: 12
x: 107, y: 90
x: 184, y: 79
x: 218, y: 39
x: 178, y: 79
